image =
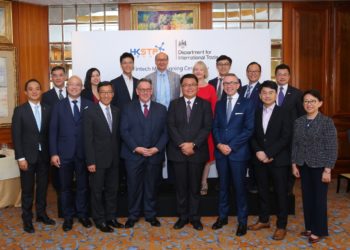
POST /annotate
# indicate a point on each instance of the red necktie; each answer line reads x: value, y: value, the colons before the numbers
x: 145, y: 110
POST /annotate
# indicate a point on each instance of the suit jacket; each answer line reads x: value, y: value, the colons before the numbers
x: 121, y: 93
x: 133, y: 131
x: 101, y: 145
x: 26, y: 136
x: 66, y: 135
x: 275, y: 142
x: 214, y: 82
x: 237, y: 132
x: 292, y: 103
x: 315, y: 145
x: 174, y: 80
x: 50, y: 97
x: 196, y: 131
x: 254, y: 95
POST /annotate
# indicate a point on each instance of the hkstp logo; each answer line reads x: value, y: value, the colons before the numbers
x: 147, y: 51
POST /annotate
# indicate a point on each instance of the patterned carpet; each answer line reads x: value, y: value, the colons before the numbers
x: 143, y: 236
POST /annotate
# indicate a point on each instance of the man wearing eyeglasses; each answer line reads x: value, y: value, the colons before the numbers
x: 290, y: 101
x: 189, y: 125
x: 101, y: 141
x: 223, y: 65
x: 144, y: 133
x: 232, y: 128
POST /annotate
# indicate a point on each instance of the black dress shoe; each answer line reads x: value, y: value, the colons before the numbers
x: 241, y: 230
x: 115, y: 223
x: 104, y: 228
x: 28, y: 227
x: 219, y: 223
x: 180, y: 223
x: 86, y: 222
x: 67, y: 225
x: 197, y: 225
x: 130, y: 223
x: 154, y: 222
x: 46, y: 220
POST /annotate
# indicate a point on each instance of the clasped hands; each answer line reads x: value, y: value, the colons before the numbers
x: 261, y: 155
x: 146, y: 152
x: 187, y: 148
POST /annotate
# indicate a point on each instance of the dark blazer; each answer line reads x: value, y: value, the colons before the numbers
x: 66, y: 135
x: 254, y: 95
x: 292, y: 103
x: 237, y: 132
x: 315, y: 145
x: 50, y: 97
x: 25, y: 134
x: 133, y: 131
x: 87, y: 94
x: 121, y: 93
x: 214, y: 82
x: 196, y: 131
x: 275, y: 142
x: 101, y: 146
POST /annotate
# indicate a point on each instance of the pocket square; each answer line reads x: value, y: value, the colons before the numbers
x: 86, y: 107
x: 239, y: 113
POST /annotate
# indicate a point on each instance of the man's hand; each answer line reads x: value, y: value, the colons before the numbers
x: 187, y: 148
x: 261, y: 156
x: 92, y: 168
x: 224, y: 149
x: 23, y: 165
x: 55, y: 161
x: 150, y: 151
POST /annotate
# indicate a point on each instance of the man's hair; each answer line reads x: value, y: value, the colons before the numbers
x: 282, y: 66
x: 314, y: 93
x: 126, y: 55
x: 224, y: 57
x: 143, y: 80
x: 268, y: 84
x: 103, y: 84
x: 29, y: 81
x: 188, y: 76
x: 56, y: 68
x: 252, y: 63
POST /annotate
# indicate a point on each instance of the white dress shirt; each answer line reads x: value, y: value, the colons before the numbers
x: 129, y: 84
x: 266, y: 115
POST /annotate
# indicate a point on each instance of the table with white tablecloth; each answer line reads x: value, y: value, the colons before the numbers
x: 10, y: 183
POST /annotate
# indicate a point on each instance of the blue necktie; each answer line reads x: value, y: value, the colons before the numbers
x: 76, y: 113
x: 229, y: 108
x: 37, y: 116
x: 109, y: 119
x: 247, y: 94
x: 280, y: 96
x: 188, y: 111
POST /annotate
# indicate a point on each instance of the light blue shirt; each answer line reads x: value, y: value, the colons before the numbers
x: 163, y: 88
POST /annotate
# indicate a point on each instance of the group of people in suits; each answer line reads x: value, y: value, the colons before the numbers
x: 90, y: 135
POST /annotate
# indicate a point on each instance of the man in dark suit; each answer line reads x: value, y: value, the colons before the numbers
x: 30, y: 126
x: 67, y: 153
x: 232, y: 128
x: 144, y: 134
x: 270, y: 143
x: 101, y: 140
x: 124, y: 92
x: 189, y: 124
x: 289, y: 99
x: 251, y: 92
x: 223, y: 65
x: 50, y: 98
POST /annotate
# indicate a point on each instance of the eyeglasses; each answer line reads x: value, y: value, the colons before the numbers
x: 313, y: 102
x: 253, y: 72
x: 230, y: 83
x: 223, y: 64
x: 189, y: 85
x: 144, y: 91
x: 105, y: 92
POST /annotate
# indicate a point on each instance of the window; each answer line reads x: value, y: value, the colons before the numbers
x: 249, y: 15
x: 64, y: 19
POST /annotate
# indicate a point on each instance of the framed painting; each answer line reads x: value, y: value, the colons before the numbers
x: 165, y: 16
x: 5, y: 22
x: 8, y: 85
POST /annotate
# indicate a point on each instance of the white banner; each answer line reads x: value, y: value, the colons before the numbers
x: 184, y: 47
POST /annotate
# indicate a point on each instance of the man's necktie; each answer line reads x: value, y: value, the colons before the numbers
x: 37, y: 116
x: 109, y: 118
x: 280, y: 96
x: 219, y: 91
x: 76, y: 113
x: 145, y: 110
x: 60, y: 95
x: 229, y: 108
x: 188, y: 111
x: 247, y: 94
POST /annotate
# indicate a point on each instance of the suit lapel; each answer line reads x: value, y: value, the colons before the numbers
x: 69, y: 109
x: 114, y: 120
x: 44, y: 115
x: 31, y: 117
x: 138, y: 112
x: 194, y: 110
x: 124, y: 88
x: 235, y: 109
x: 102, y: 116
x: 272, y: 118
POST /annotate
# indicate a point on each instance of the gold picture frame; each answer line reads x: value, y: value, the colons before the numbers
x: 8, y: 84
x: 6, y: 22
x: 165, y: 16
